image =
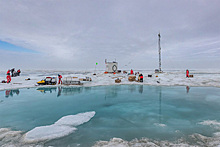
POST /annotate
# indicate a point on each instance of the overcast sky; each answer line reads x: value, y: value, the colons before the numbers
x: 75, y: 34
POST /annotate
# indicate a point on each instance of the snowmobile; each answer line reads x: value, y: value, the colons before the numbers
x: 48, y: 81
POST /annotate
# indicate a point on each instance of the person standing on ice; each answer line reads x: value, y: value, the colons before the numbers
x: 12, y: 72
x: 18, y: 71
x: 187, y: 73
x: 60, y: 77
x: 132, y: 72
x: 141, y: 77
x: 8, y: 76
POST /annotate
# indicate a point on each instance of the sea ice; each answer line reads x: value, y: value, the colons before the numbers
x: 61, y: 128
x: 213, y: 123
x: 75, y: 120
x: 168, y: 78
x: 50, y: 132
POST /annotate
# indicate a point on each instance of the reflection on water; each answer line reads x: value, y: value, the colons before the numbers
x: 71, y: 90
x: 59, y: 91
x: 110, y: 92
x: 160, y: 99
x: 187, y: 89
x: 125, y: 111
x: 47, y: 89
x: 10, y: 93
x: 141, y: 88
x: 132, y: 88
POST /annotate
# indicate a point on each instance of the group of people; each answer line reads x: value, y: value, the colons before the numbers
x: 13, y: 74
x: 140, y: 76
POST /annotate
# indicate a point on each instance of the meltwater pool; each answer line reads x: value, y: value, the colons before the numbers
x: 125, y: 111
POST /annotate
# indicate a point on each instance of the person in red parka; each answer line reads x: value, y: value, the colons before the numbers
x: 187, y: 73
x: 60, y: 77
x: 18, y: 72
x: 8, y: 76
x: 132, y: 72
x: 8, y: 72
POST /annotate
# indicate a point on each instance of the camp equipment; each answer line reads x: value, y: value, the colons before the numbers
x: 132, y: 78
x: 117, y: 80
x: 71, y: 81
x: 48, y: 81
x: 85, y: 79
x: 111, y: 67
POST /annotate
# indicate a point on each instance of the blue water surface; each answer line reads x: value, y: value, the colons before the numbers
x: 125, y: 111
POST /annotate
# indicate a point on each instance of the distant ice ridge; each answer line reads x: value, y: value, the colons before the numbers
x: 37, y: 136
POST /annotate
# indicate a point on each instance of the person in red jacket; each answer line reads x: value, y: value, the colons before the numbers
x: 18, y: 72
x: 141, y: 78
x: 187, y: 73
x: 132, y: 72
x: 60, y: 77
x: 8, y: 76
x: 8, y: 72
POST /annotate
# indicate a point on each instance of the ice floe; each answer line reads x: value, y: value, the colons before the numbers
x: 63, y: 127
x: 75, y: 120
x: 212, y: 123
x: 168, y: 78
x: 50, y: 132
x: 39, y: 135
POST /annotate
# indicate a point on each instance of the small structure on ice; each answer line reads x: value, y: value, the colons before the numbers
x: 159, y: 50
x: 111, y: 67
x: 71, y: 81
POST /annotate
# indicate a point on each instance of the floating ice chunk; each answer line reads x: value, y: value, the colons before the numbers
x: 44, y: 133
x: 212, y: 123
x: 75, y: 120
x: 61, y: 128
x: 160, y: 125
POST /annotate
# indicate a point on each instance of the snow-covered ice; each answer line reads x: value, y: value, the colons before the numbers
x: 168, y: 78
x: 50, y: 132
x: 199, y: 140
x: 63, y: 127
x: 75, y: 120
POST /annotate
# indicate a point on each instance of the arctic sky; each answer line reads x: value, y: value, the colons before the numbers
x: 75, y: 34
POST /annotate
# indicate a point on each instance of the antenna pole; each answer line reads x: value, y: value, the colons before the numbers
x: 159, y: 53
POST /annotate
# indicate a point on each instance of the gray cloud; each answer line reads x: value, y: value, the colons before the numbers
x: 75, y: 33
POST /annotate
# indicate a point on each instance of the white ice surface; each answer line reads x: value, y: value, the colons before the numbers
x: 212, y: 123
x: 48, y: 133
x: 198, y: 139
x: 75, y: 120
x: 168, y: 78
x: 15, y: 138
x: 63, y: 127
x: 39, y: 135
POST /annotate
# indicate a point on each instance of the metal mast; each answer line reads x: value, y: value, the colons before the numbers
x: 159, y: 53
